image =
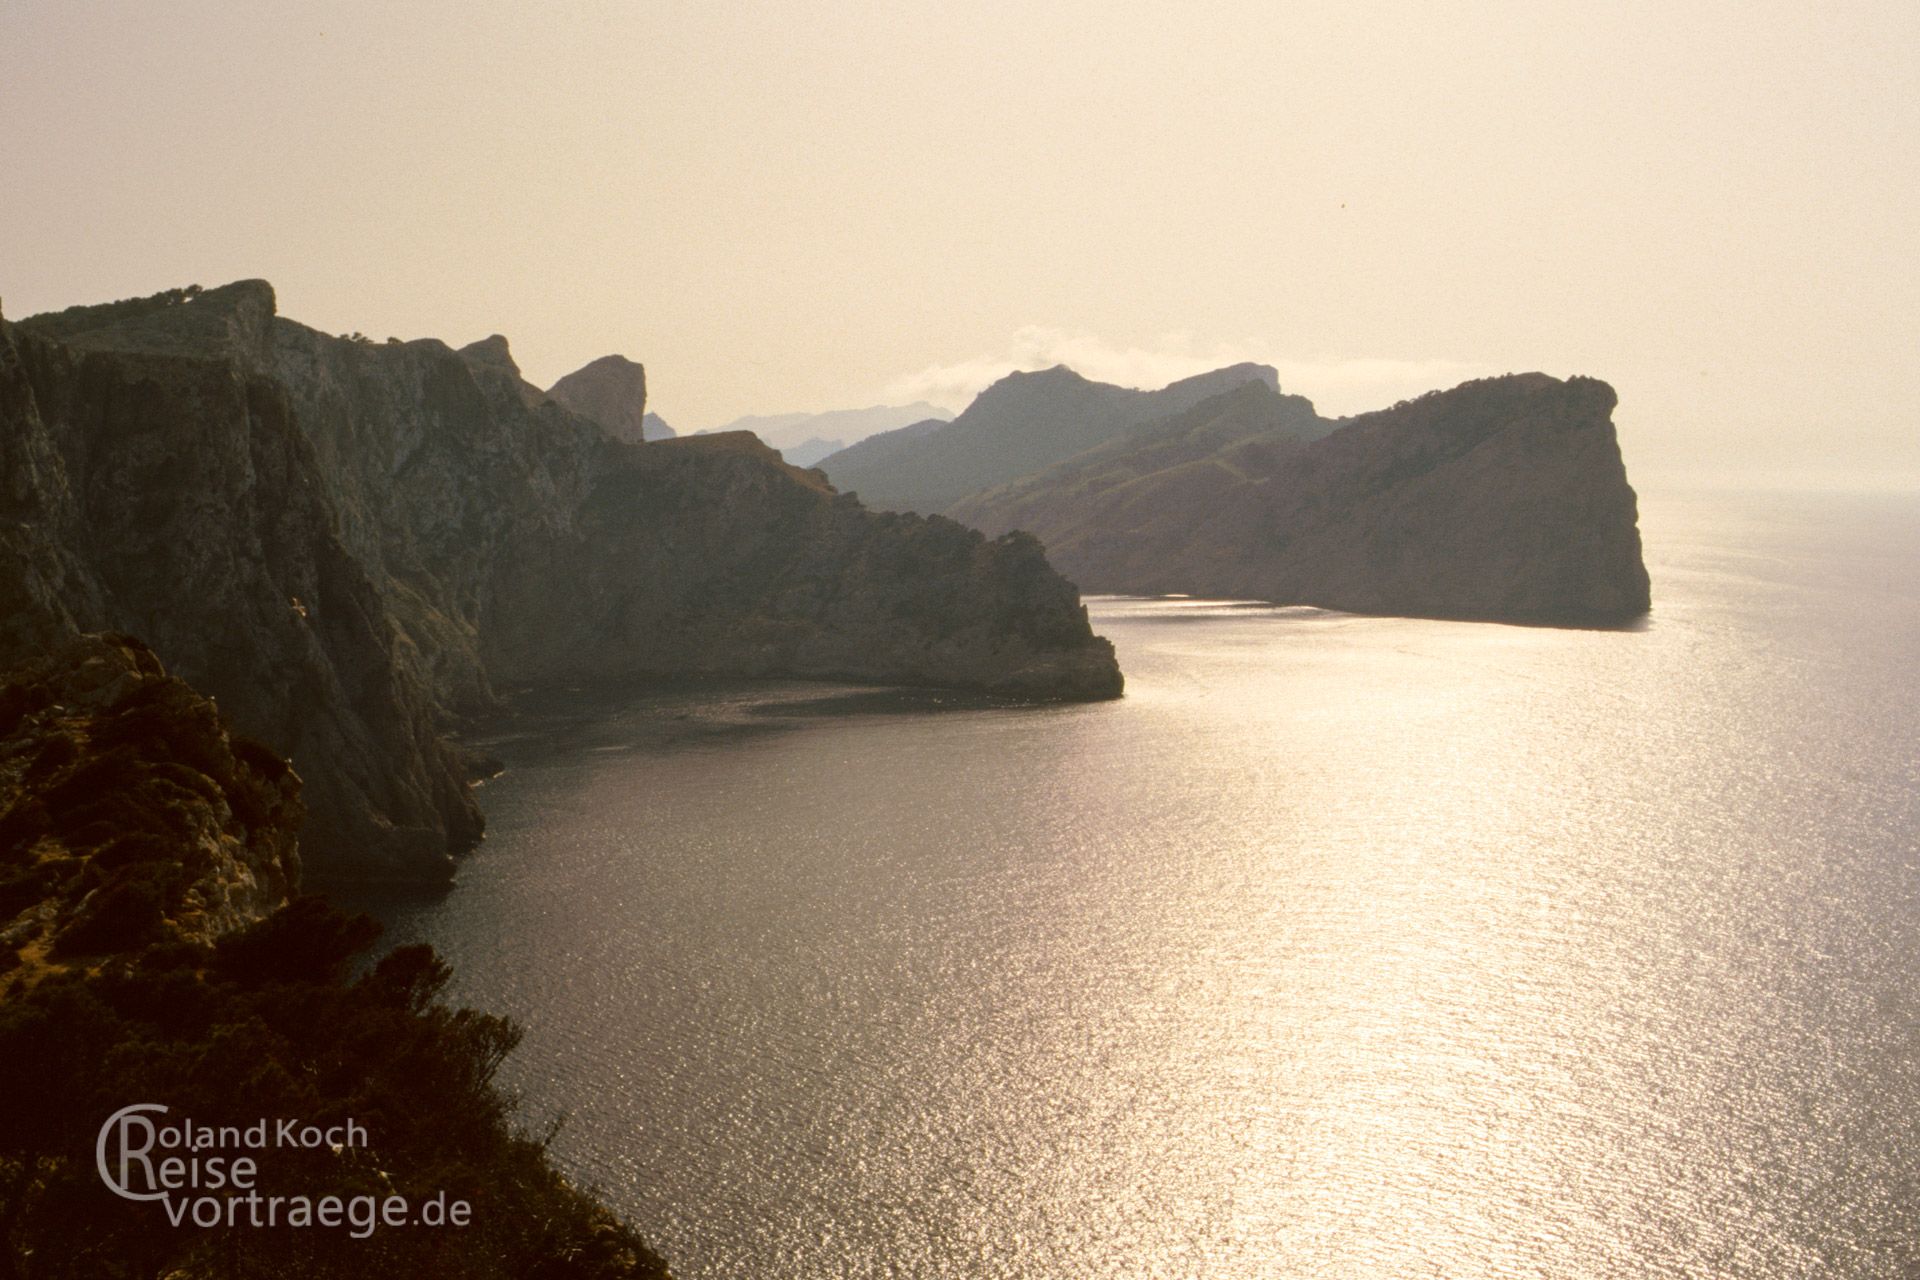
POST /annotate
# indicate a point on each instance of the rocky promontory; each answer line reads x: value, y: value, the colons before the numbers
x: 1503, y: 499
x: 351, y: 545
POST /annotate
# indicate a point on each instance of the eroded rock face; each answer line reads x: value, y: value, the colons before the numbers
x: 129, y: 815
x: 1502, y: 499
x: 351, y: 544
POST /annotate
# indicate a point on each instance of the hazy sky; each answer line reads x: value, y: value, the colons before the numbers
x: 809, y: 206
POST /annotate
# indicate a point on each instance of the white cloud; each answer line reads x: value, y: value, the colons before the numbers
x: 1339, y: 385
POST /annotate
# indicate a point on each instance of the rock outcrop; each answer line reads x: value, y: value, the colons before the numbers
x: 350, y: 544
x: 1502, y: 499
x: 612, y: 393
x: 1021, y: 424
x: 492, y: 359
x: 129, y: 816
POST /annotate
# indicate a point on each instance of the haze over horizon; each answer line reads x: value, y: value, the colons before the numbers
x: 779, y: 210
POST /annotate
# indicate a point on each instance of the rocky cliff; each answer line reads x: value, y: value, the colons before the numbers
x: 811, y: 585
x: 156, y: 482
x: 348, y: 544
x: 1019, y: 425
x: 1501, y: 499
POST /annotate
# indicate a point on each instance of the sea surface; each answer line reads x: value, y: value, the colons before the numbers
x: 1340, y: 947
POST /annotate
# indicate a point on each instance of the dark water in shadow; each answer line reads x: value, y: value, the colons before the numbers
x: 1340, y: 947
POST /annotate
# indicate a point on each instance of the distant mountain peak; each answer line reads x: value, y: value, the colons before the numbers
x: 1232, y: 376
x: 1057, y: 372
x: 1024, y: 422
x: 1053, y: 376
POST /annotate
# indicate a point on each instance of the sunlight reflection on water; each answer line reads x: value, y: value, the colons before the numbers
x: 1340, y: 947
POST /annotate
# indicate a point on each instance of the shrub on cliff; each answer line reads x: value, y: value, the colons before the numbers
x: 268, y: 1024
x: 143, y: 853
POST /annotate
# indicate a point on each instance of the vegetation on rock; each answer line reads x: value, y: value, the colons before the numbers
x: 153, y: 956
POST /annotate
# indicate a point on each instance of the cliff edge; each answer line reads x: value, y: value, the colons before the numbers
x: 351, y: 545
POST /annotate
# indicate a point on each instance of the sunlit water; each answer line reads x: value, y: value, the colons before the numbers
x: 1340, y: 947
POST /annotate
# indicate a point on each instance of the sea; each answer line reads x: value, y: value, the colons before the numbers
x: 1339, y: 947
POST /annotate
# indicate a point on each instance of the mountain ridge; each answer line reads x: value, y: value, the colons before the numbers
x: 1022, y: 423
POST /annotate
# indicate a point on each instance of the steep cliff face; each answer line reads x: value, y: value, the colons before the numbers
x: 166, y: 491
x: 492, y: 361
x: 1019, y: 425
x: 524, y: 545
x: 347, y: 543
x: 435, y: 461
x: 1502, y: 499
x: 129, y: 816
x: 811, y: 585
